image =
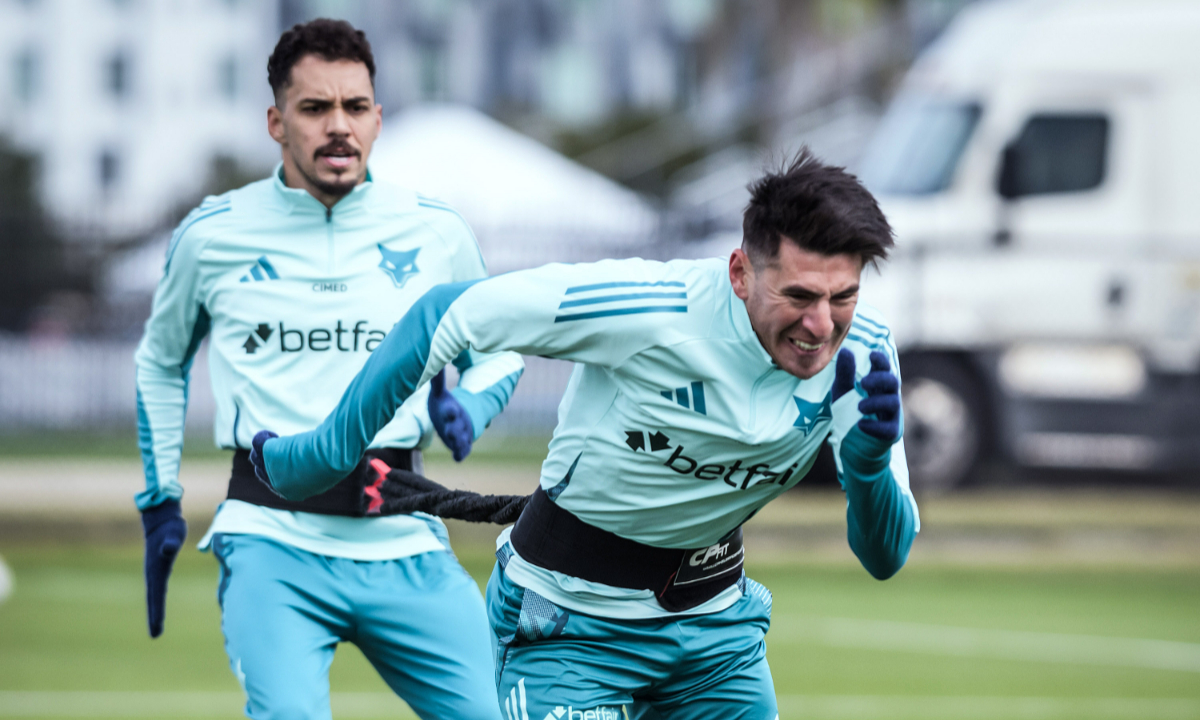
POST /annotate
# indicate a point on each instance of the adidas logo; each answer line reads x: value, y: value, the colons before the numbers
x: 515, y: 704
x: 693, y: 400
x: 260, y: 270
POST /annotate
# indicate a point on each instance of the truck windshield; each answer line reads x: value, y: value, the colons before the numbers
x: 917, y: 146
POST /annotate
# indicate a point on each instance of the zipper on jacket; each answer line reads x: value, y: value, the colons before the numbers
x: 754, y: 396
x: 329, y: 237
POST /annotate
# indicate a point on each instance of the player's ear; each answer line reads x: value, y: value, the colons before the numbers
x: 275, y: 123
x: 741, y: 273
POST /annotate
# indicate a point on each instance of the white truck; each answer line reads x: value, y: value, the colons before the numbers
x: 1041, y: 168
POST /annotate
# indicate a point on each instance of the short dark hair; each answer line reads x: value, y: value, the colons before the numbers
x: 821, y: 208
x: 328, y: 39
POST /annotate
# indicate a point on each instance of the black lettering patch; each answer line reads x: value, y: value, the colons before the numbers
x: 704, y: 573
x: 711, y: 562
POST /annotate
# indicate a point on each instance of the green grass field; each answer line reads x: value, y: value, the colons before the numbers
x: 937, y: 641
x: 1016, y: 605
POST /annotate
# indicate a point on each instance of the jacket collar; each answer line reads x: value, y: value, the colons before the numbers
x: 740, y: 320
x: 300, y: 201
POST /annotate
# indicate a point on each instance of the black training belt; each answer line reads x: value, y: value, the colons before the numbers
x: 345, y: 498
x: 556, y: 539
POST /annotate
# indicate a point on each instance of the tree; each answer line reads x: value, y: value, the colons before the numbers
x: 31, y: 267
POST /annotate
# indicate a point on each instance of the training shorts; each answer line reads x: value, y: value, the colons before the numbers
x: 419, y: 620
x: 558, y: 664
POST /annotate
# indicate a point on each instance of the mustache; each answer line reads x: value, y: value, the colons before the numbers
x: 336, y: 147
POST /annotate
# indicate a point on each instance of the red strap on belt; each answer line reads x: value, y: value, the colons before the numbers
x: 372, y: 491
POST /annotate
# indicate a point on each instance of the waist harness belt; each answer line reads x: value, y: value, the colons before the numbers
x: 555, y: 539
x: 346, y: 498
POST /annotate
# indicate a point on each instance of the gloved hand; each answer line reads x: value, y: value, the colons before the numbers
x: 256, y: 457
x: 165, y: 530
x: 880, y: 520
x: 883, y: 395
x: 450, y: 418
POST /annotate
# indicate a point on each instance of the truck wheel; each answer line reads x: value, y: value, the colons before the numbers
x: 943, y: 423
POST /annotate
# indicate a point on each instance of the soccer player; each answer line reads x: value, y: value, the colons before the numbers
x: 297, y: 279
x: 703, y: 390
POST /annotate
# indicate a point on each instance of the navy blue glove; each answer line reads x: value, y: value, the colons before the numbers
x: 256, y: 457
x: 880, y: 520
x: 450, y: 418
x: 843, y: 376
x: 165, y: 531
x: 883, y: 394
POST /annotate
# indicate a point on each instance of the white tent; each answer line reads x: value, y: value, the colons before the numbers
x: 526, y: 203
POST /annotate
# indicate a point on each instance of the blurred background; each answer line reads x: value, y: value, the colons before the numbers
x: 1038, y: 160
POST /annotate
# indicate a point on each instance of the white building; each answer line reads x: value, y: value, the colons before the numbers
x: 127, y: 101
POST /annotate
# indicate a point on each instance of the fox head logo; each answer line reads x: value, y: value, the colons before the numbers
x: 813, y: 414
x: 400, y: 265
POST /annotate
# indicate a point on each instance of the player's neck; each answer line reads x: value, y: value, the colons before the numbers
x: 328, y: 196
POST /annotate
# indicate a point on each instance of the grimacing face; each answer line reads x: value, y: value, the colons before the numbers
x: 800, y: 305
x: 325, y: 123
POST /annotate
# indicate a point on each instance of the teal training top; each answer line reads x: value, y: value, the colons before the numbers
x: 295, y: 298
x: 676, y: 426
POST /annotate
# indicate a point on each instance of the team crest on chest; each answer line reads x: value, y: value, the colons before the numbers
x: 812, y: 414
x: 400, y: 265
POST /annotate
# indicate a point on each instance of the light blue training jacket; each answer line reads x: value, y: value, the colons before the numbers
x: 676, y: 426
x: 294, y: 299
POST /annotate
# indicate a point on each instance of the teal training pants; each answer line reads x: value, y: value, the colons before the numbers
x: 556, y: 664
x: 419, y: 620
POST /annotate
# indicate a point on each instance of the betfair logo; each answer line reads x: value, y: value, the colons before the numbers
x: 260, y: 270
x: 566, y: 712
x: 736, y: 474
x: 693, y: 400
x: 263, y: 331
x: 636, y: 440
x: 340, y: 338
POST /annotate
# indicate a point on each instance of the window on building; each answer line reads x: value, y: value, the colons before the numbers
x: 1060, y: 153
x: 110, y: 169
x: 116, y: 78
x: 227, y: 78
x: 27, y: 68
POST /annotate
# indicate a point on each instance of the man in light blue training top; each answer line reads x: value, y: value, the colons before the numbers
x: 296, y: 280
x: 703, y: 390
